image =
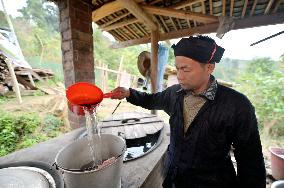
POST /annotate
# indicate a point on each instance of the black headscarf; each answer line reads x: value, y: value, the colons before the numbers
x: 199, y: 48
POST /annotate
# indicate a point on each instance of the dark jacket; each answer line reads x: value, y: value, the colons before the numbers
x: 201, y: 157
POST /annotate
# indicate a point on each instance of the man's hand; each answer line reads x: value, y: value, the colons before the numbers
x: 120, y: 93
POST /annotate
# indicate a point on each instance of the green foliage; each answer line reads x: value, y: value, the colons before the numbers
x: 3, y: 21
x: 30, y: 140
x: 262, y: 81
x: 21, y: 131
x: 42, y: 13
x: 14, y: 128
x: 112, y: 57
x: 51, y: 125
x: 3, y: 99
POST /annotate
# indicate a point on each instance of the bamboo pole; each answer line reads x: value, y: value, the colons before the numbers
x: 15, y: 81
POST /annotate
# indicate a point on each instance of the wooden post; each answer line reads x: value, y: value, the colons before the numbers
x: 15, y: 81
x: 119, y: 72
x: 154, y: 62
x: 106, y: 79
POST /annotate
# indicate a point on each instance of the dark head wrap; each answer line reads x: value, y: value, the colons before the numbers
x: 199, y: 48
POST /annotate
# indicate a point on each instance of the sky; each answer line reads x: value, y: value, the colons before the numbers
x: 236, y: 42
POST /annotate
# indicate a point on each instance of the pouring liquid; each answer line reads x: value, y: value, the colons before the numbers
x: 94, y: 138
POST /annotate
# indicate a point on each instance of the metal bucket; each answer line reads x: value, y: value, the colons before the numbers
x: 77, y: 154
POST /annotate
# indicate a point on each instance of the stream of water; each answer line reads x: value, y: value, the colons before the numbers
x: 94, y: 138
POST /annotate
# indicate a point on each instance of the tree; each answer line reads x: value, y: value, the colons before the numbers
x: 263, y: 81
x: 43, y: 14
x: 3, y: 22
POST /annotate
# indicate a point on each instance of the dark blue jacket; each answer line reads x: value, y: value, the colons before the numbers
x: 201, y: 157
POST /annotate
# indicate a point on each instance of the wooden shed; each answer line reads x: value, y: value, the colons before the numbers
x: 133, y: 22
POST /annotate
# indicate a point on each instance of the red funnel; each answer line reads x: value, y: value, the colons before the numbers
x: 84, y: 94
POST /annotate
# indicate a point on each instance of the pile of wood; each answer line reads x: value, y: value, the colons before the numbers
x: 25, y: 77
x: 4, y: 72
x: 38, y: 74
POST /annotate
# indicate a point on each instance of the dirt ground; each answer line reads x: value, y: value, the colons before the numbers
x: 48, y: 104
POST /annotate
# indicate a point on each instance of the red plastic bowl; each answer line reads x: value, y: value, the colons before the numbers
x: 83, y: 94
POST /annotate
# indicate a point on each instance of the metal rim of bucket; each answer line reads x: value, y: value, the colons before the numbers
x: 39, y: 165
x: 79, y: 171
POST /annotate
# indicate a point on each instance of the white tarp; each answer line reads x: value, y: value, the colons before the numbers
x: 9, y: 50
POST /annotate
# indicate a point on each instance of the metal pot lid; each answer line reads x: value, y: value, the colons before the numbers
x: 25, y: 177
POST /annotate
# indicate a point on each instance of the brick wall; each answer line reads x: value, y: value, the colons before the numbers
x: 76, y: 45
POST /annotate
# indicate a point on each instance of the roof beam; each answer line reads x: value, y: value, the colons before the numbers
x: 138, y: 12
x: 120, y: 24
x: 185, y: 4
x: 106, y: 10
x: 180, y: 14
x: 276, y: 6
x: 115, y: 20
x: 232, y: 8
x: 268, y: 6
x: 211, y: 7
x: 245, y: 8
x: 223, y: 7
x: 255, y: 21
x: 253, y: 7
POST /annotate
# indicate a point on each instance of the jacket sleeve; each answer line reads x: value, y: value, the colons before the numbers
x: 248, y: 150
x: 157, y: 101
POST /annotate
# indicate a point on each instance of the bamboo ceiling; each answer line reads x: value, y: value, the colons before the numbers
x: 130, y: 22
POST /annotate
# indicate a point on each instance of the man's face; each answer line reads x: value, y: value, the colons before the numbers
x: 190, y: 74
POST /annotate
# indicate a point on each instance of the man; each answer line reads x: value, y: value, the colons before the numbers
x: 206, y: 119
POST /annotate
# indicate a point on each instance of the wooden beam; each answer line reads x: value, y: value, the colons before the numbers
x: 141, y: 29
x: 186, y: 3
x: 159, y: 24
x: 138, y: 29
x: 267, y: 9
x: 138, y: 12
x: 117, y: 35
x: 15, y: 81
x: 255, y: 21
x: 211, y: 7
x: 106, y: 10
x: 180, y: 14
x: 232, y: 8
x: 194, y: 22
x: 173, y: 22
x: 188, y: 22
x: 223, y: 7
x: 276, y: 6
x: 114, y: 20
x: 245, y: 8
x: 120, y: 24
x: 164, y: 24
x: 130, y: 30
x: 154, y: 60
x: 154, y: 2
x: 203, y: 7
x: 253, y: 7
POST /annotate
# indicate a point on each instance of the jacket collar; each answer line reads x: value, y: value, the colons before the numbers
x: 209, y: 94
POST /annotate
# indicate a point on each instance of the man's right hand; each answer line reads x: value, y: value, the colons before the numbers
x: 120, y: 93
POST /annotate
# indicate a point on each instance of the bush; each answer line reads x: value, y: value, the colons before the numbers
x: 51, y: 125
x: 14, y: 128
